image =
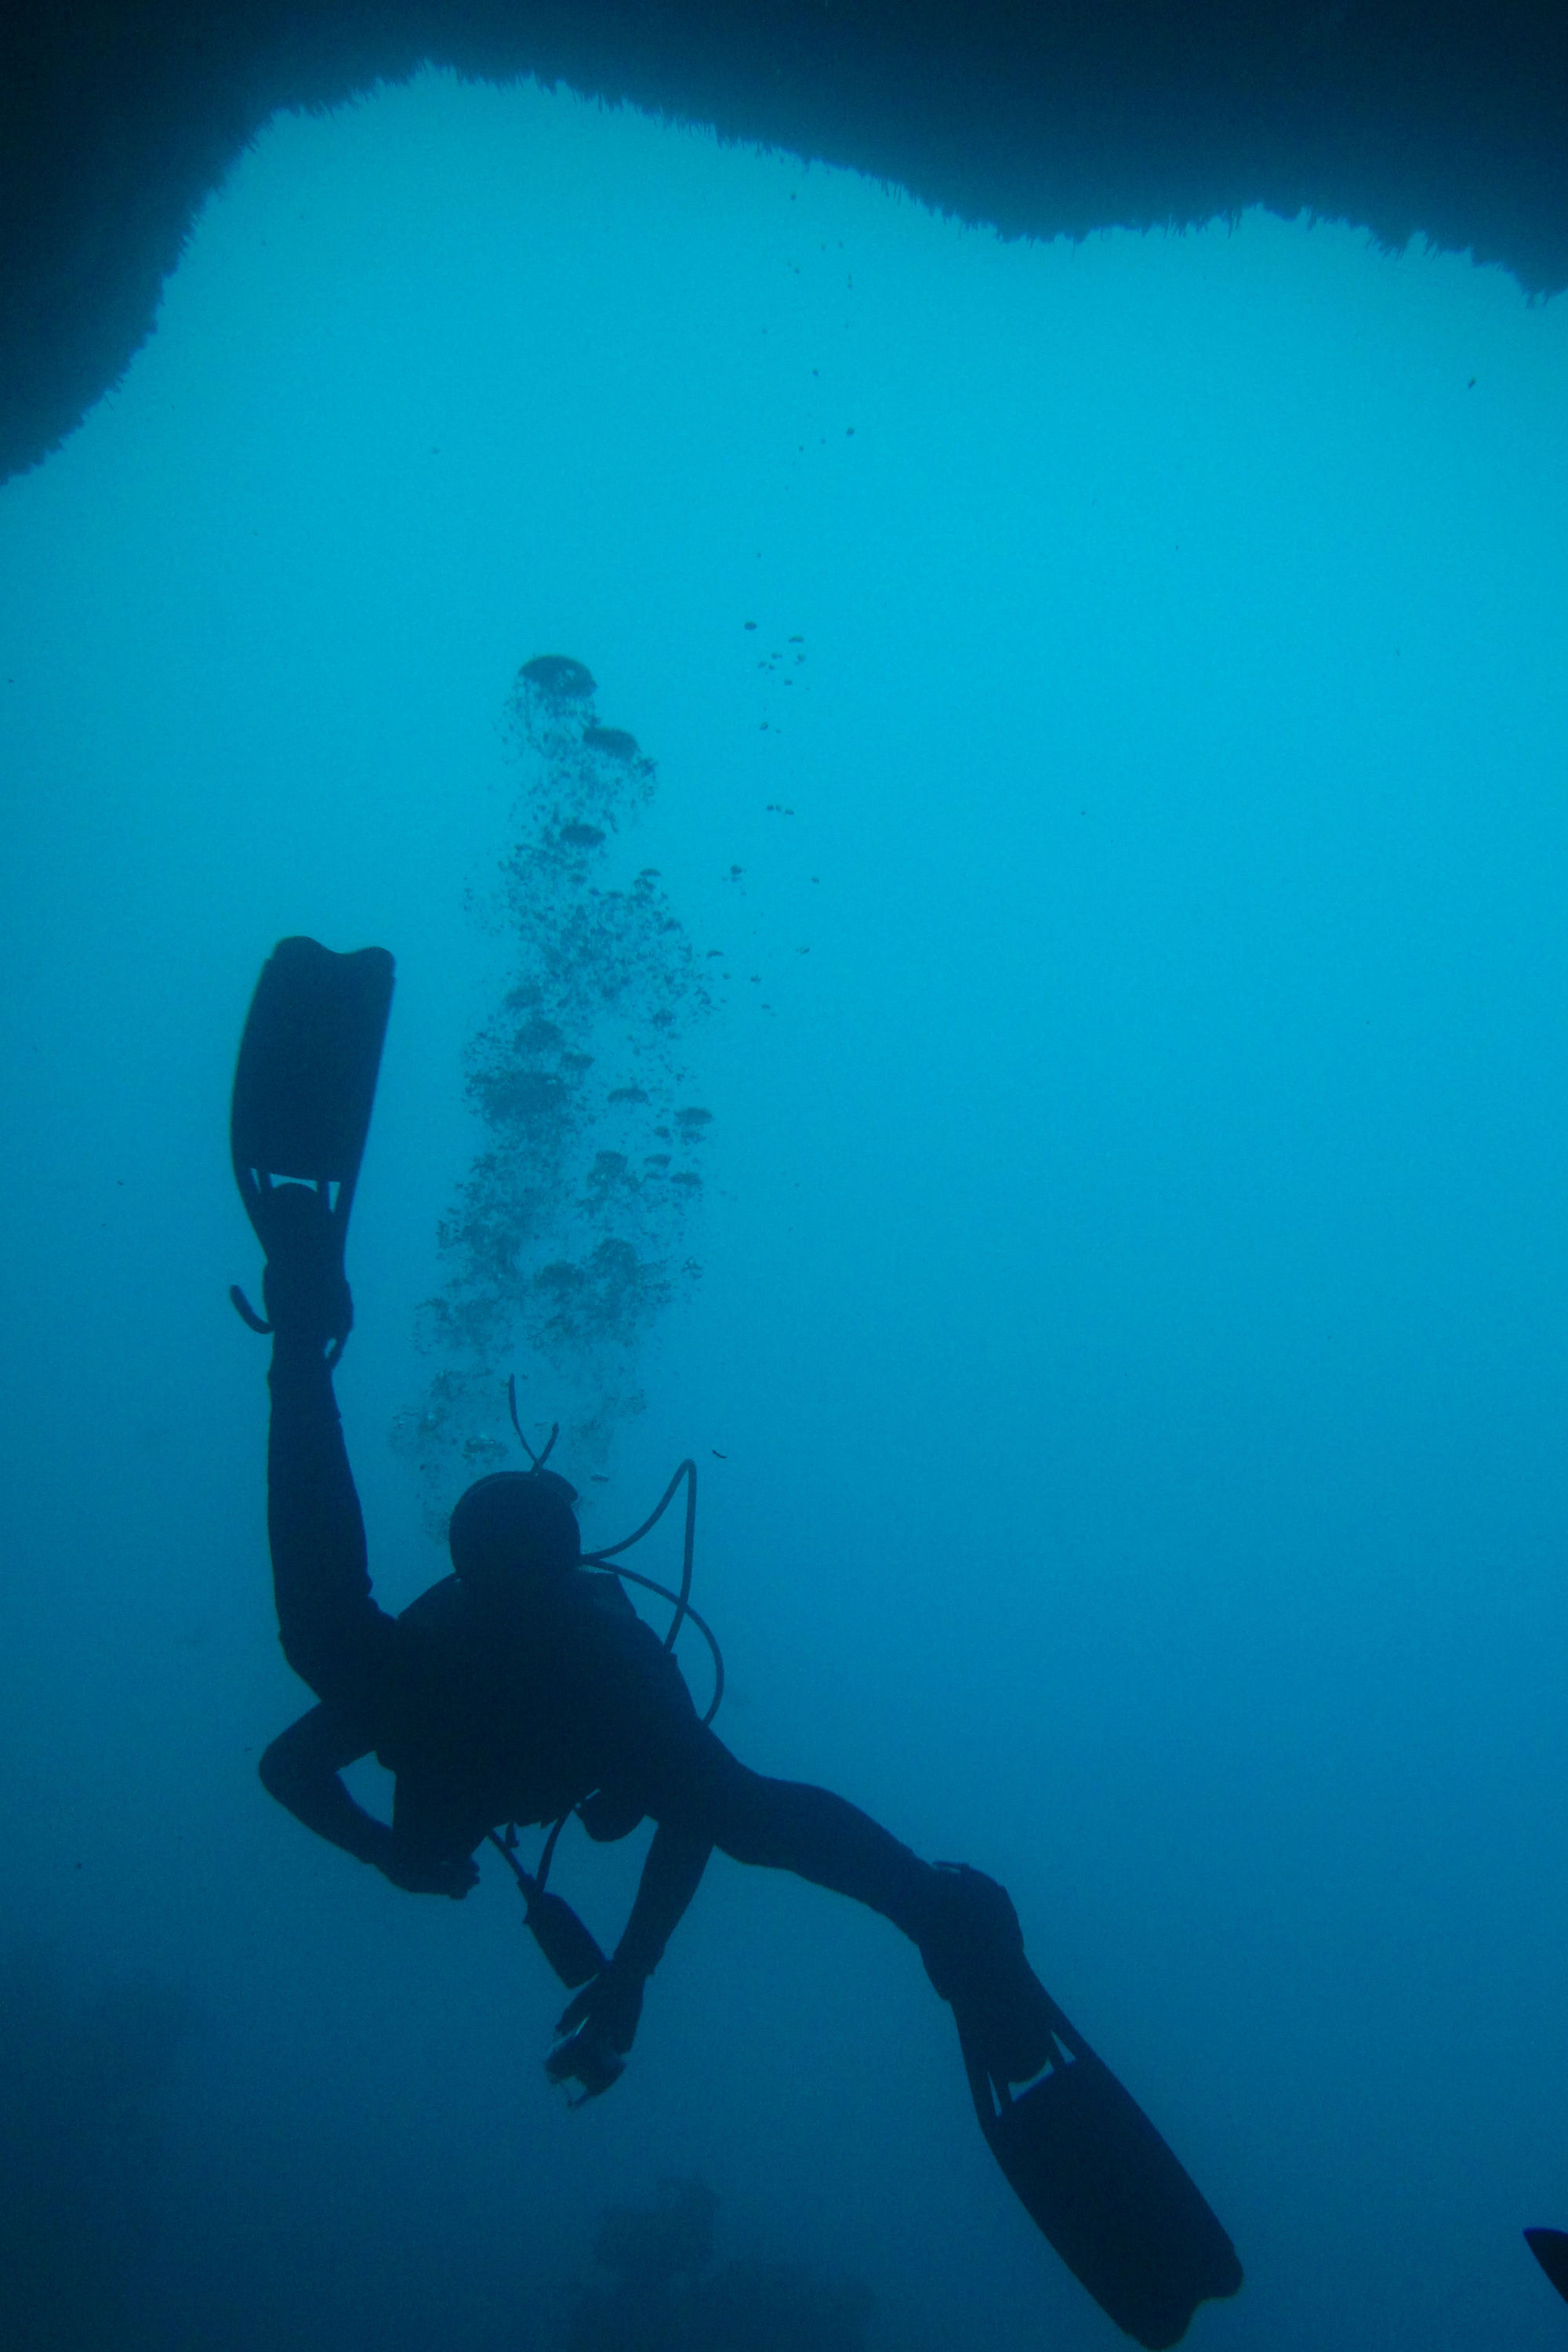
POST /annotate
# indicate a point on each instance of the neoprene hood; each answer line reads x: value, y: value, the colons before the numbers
x: 514, y: 1519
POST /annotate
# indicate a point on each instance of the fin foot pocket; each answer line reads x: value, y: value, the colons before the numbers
x: 973, y: 1954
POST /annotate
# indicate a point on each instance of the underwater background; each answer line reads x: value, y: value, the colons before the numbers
x: 1106, y: 706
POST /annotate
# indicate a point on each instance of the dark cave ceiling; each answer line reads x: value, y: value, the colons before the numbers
x: 1042, y: 117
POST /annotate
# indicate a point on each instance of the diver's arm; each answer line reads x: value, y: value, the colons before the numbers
x: 302, y: 1770
x: 671, y: 1874
x: 600, y: 2022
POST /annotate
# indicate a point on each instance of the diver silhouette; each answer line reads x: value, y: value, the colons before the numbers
x: 524, y: 1687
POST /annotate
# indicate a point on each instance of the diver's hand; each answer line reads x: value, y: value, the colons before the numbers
x: 304, y: 1288
x: 597, y: 2029
x: 420, y: 1874
x: 610, y: 2003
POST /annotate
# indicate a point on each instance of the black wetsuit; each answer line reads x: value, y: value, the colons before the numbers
x: 491, y: 1711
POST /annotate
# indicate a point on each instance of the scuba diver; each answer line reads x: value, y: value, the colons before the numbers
x: 525, y: 1688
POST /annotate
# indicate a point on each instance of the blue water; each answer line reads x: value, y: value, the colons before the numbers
x: 1134, y: 1238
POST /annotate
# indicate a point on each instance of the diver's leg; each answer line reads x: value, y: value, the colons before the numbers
x: 333, y: 1635
x: 790, y: 1825
x: 962, y: 1922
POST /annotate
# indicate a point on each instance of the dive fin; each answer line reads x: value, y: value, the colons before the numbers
x: 1095, y: 2176
x: 1549, y: 2248
x: 305, y: 1079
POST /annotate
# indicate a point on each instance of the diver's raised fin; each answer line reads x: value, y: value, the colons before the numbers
x: 304, y: 1087
x: 1095, y: 2176
x: 1549, y: 2248
x: 305, y: 1079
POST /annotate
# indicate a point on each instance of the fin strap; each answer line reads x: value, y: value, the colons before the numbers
x: 245, y: 1311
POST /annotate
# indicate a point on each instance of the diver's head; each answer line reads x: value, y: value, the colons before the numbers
x: 516, y: 1524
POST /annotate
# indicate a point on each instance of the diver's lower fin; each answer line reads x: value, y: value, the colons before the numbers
x: 305, y: 1079
x: 1549, y: 2248
x: 1095, y: 2176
